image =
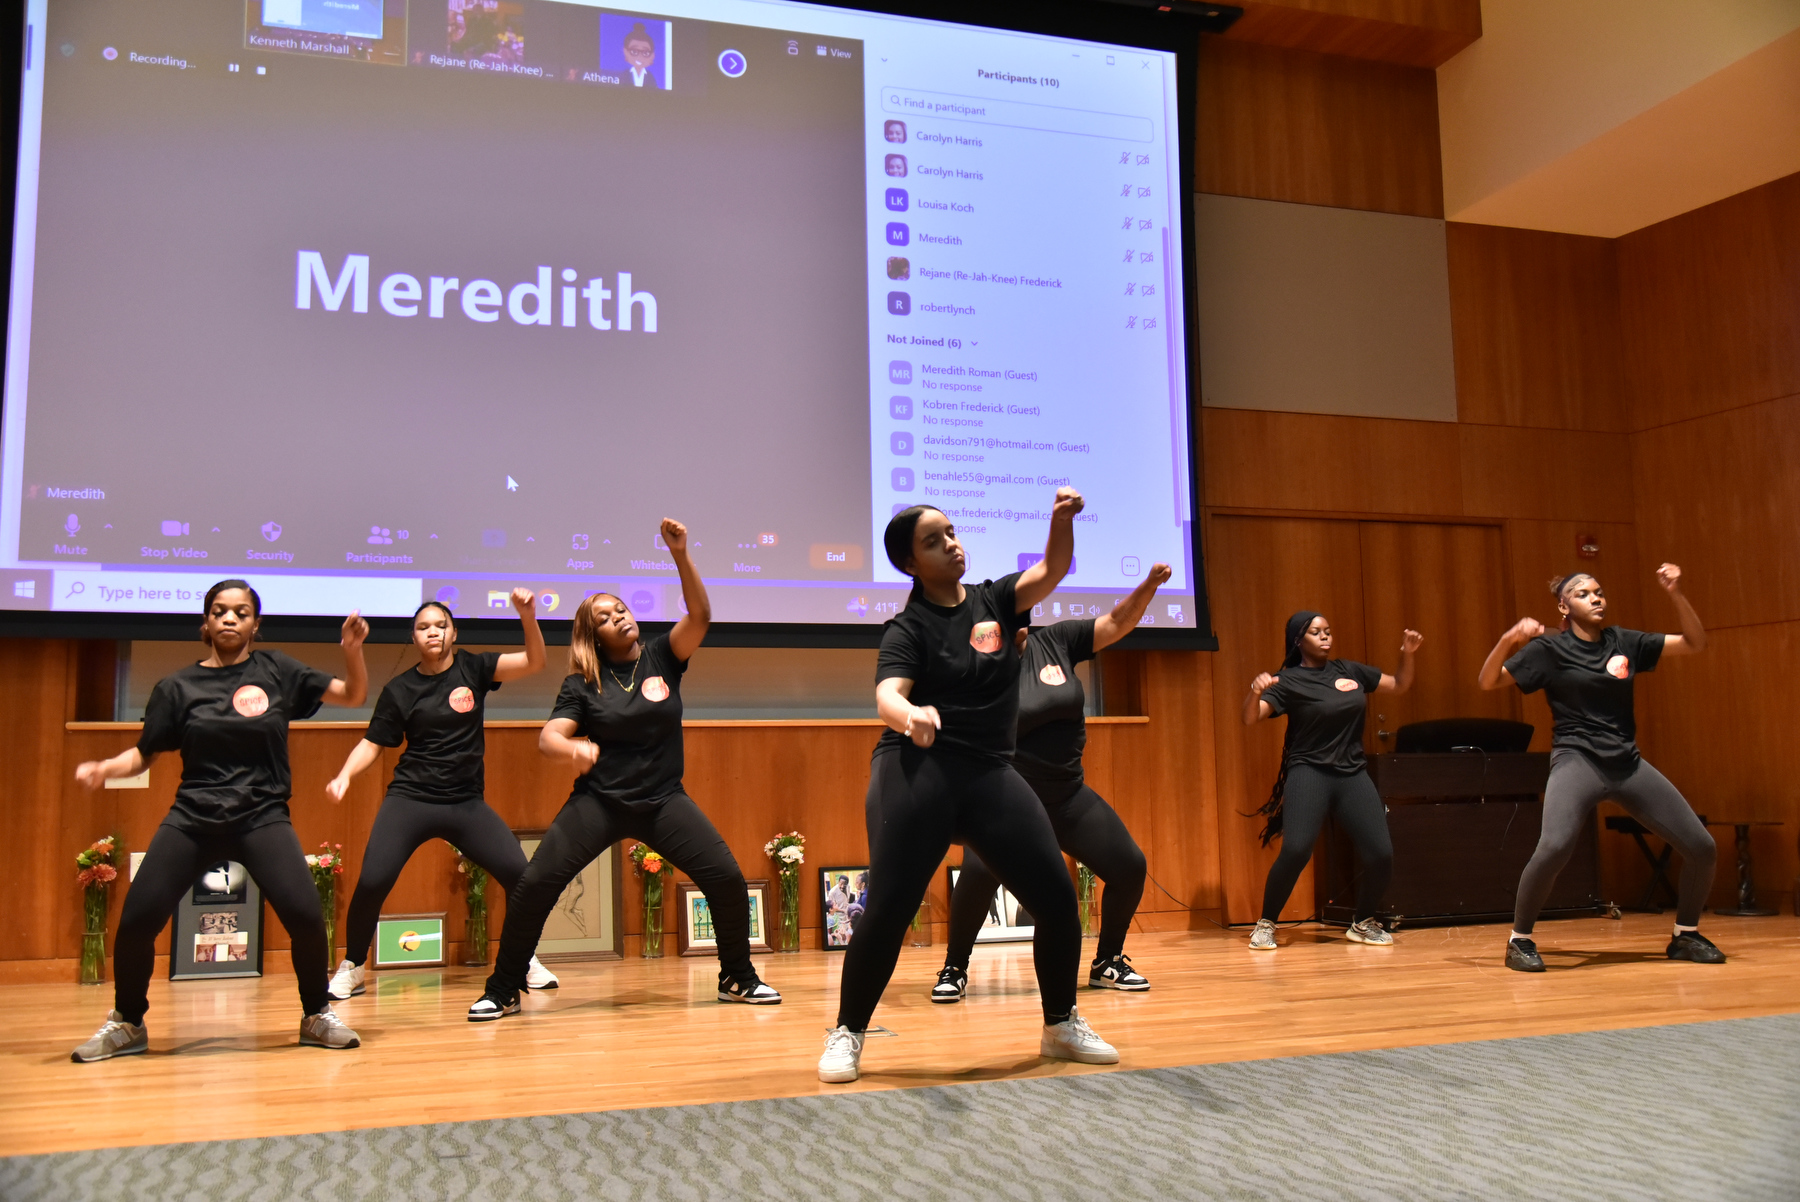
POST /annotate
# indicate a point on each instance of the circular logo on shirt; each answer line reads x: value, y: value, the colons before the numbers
x: 656, y: 689
x: 250, y: 701
x: 1052, y: 675
x: 462, y: 699
x: 1618, y: 666
x: 985, y: 637
x: 1346, y: 685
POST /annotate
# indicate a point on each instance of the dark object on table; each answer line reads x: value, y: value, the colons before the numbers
x: 1493, y: 735
x: 1746, y: 904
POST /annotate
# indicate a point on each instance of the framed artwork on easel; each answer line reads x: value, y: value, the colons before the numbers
x: 584, y: 923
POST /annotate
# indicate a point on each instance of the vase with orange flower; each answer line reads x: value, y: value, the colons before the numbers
x: 96, y: 869
x: 654, y: 871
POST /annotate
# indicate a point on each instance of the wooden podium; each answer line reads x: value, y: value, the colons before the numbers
x: 1464, y: 824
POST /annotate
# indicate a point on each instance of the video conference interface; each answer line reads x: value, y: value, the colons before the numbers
x: 378, y: 301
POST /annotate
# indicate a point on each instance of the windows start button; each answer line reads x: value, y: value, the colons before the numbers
x: 841, y: 556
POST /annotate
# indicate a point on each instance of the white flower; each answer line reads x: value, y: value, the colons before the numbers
x: 312, y: 861
x: 793, y: 855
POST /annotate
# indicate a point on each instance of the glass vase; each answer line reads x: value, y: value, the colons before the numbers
x: 919, y: 933
x: 478, y: 932
x: 787, y: 935
x: 653, y: 916
x: 93, y: 936
x: 1090, y: 911
x: 328, y: 909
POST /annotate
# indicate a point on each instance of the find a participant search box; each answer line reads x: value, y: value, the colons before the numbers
x: 1016, y: 114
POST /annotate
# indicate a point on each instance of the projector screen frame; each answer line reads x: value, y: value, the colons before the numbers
x: 1119, y: 22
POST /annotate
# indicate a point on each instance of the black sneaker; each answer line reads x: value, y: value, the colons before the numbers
x: 1116, y: 973
x: 750, y: 990
x: 1522, y: 956
x: 1692, y: 945
x: 952, y: 983
x: 493, y: 1005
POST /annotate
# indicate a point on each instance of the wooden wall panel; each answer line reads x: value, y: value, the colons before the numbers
x: 1710, y: 302
x: 1536, y: 328
x: 38, y: 696
x: 1321, y: 464
x: 1317, y: 129
x: 1417, y: 33
x: 1510, y: 471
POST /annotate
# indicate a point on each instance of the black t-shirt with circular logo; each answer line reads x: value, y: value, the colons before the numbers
x: 634, y: 716
x: 231, y: 726
x: 961, y: 659
x: 1326, y: 708
x: 441, y: 719
x: 1052, y: 703
x: 1589, y: 687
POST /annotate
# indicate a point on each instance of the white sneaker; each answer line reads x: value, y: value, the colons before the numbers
x: 1262, y: 939
x: 348, y: 981
x: 327, y: 1030
x: 1073, y: 1039
x: 1370, y: 930
x: 539, y: 977
x: 843, y: 1056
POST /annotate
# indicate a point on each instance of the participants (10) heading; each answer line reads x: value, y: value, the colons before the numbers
x: 528, y: 303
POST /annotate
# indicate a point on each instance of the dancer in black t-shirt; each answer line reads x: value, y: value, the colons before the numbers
x: 1322, y: 768
x: 1587, y: 671
x: 618, y: 719
x: 438, y: 792
x: 1052, y: 736
x: 948, y: 689
x: 228, y: 716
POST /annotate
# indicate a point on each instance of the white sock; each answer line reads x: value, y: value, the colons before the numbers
x: 1681, y: 930
x: 1516, y: 936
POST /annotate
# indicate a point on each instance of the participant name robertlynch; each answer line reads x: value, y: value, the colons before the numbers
x: 528, y: 303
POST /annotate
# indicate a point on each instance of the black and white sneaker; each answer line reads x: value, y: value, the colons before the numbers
x: 1692, y: 945
x: 1116, y: 973
x: 750, y: 990
x: 1522, y: 956
x: 493, y: 1005
x: 952, y: 983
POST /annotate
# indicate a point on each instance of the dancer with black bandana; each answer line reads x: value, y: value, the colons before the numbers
x: 948, y: 690
x: 438, y: 709
x: 1587, y: 672
x: 1052, y: 736
x: 228, y: 716
x: 1323, y: 771
x: 618, y: 719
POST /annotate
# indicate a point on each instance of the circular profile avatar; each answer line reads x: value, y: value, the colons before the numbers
x: 896, y: 165
x: 894, y: 131
x: 640, y: 52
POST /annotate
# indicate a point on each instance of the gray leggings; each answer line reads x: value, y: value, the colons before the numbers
x: 1577, y: 785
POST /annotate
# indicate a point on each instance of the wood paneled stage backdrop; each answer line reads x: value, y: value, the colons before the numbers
x: 1644, y: 391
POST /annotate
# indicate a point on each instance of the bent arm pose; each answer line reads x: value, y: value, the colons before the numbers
x: 228, y: 716
x: 1587, y: 671
x: 618, y: 721
x: 948, y: 690
x: 438, y: 710
x: 1323, y: 771
x: 1052, y: 734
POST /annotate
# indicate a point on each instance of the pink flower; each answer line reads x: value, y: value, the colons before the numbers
x: 85, y: 877
x: 106, y: 874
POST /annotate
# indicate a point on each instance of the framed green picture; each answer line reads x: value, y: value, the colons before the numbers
x: 694, y: 933
x: 410, y: 941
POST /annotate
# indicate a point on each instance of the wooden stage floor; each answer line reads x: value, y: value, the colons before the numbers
x: 224, y: 1064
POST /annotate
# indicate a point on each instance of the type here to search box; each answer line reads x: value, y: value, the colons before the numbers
x: 1017, y: 114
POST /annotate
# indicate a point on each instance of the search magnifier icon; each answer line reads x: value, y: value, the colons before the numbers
x: 75, y: 589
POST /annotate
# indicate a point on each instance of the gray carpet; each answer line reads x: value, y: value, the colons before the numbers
x: 1703, y: 1111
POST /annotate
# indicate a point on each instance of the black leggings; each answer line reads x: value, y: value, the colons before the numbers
x: 171, y: 865
x: 1577, y: 785
x: 921, y: 802
x: 406, y: 824
x: 1352, y: 800
x: 587, y: 826
x: 1088, y: 829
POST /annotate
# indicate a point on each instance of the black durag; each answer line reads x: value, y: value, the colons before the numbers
x: 1271, y: 809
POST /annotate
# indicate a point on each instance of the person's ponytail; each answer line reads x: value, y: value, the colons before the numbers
x: 1291, y: 658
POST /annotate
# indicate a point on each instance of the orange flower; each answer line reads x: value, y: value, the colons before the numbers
x: 653, y: 863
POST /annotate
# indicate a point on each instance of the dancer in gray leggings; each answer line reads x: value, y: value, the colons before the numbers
x: 1587, y: 672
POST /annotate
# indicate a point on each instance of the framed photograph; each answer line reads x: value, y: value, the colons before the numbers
x: 694, y: 934
x: 1006, y: 922
x: 845, y: 894
x: 409, y: 941
x: 218, y: 927
x: 584, y: 923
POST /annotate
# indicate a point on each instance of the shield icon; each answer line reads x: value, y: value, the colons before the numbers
x: 271, y: 530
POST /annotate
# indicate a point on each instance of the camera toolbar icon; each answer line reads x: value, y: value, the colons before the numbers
x: 174, y: 529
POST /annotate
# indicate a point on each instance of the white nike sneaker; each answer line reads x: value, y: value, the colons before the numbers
x: 1073, y: 1039
x: 348, y: 981
x: 539, y: 977
x: 843, y: 1056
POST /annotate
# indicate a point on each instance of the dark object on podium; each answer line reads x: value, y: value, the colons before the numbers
x: 1464, y: 824
x: 1492, y: 735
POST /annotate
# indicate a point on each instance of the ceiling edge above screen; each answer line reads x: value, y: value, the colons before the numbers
x: 1119, y: 23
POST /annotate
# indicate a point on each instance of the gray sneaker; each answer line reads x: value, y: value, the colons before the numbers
x: 327, y: 1030
x: 1369, y: 930
x: 1262, y: 939
x: 116, y: 1037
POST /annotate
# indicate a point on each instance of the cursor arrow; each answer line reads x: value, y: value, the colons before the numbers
x: 512, y: 485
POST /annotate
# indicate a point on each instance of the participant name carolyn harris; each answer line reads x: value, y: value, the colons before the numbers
x: 530, y: 302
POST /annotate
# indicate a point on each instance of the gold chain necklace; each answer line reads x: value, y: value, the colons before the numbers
x: 635, y: 664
